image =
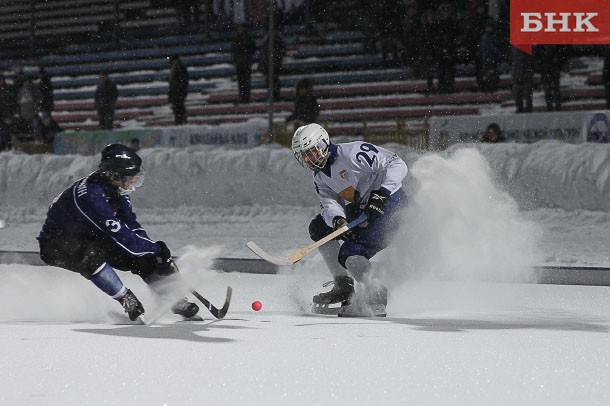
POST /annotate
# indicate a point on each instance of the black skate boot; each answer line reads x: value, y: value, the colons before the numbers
x: 185, y: 308
x: 340, y: 293
x: 132, y: 305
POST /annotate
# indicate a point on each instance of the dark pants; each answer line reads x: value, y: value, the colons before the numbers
x: 369, y: 239
x: 179, y: 112
x: 86, y: 255
x: 606, y: 79
x: 550, y: 82
x: 277, y: 86
x: 243, y: 82
x: 106, y: 118
x: 523, y: 82
x: 446, y: 75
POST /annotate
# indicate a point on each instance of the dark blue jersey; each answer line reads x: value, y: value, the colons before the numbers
x: 93, y: 209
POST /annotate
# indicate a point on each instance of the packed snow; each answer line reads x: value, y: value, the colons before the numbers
x: 467, y: 324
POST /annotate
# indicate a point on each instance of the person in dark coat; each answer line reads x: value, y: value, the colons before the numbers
x: 8, y: 99
x: 178, y: 89
x: 446, y: 32
x: 29, y: 100
x: 106, y: 96
x: 550, y: 60
x: 278, y: 50
x: 489, y: 58
x: 606, y: 74
x: 45, y: 128
x: 46, y: 92
x: 13, y: 127
x: 523, y: 81
x: 493, y: 134
x: 306, y: 107
x: 243, y: 50
x: 425, y: 66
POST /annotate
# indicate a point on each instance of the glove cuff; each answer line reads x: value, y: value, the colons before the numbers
x: 383, y: 192
x: 338, y: 219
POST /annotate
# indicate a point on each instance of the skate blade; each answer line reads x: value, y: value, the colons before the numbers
x: 194, y: 318
x: 349, y: 311
x: 325, y: 309
x: 361, y: 315
x: 121, y: 319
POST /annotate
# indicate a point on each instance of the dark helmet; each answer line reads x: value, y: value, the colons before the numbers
x: 120, y: 160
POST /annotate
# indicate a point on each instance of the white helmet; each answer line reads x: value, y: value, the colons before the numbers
x: 310, y: 145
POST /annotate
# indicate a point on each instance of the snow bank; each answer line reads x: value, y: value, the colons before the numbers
x: 546, y: 174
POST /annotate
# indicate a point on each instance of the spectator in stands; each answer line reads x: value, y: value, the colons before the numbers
x: 6, y: 133
x: 474, y: 27
x: 243, y: 51
x: 187, y: 11
x: 427, y: 43
x: 135, y: 144
x: 523, y: 80
x: 45, y: 128
x: 106, y: 96
x: 369, y: 25
x: 7, y: 98
x: 551, y: 59
x: 11, y: 128
x: 178, y: 89
x: 390, y: 31
x: 46, y: 91
x: 493, y: 134
x: 306, y: 107
x: 489, y: 58
x: 29, y: 100
x: 606, y: 74
x: 446, y: 31
x: 278, y: 50
x: 443, y: 140
x: 410, y: 29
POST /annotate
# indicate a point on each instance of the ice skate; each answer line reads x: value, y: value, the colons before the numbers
x: 185, y: 308
x: 341, y: 292
x: 133, y: 307
x: 370, y: 304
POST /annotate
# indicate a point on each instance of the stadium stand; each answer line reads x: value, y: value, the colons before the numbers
x: 73, y: 40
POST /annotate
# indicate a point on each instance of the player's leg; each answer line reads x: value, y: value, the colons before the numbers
x: 343, y: 286
x: 159, y: 277
x: 366, y: 242
x: 87, y: 257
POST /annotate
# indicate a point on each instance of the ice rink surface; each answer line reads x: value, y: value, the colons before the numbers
x: 467, y: 323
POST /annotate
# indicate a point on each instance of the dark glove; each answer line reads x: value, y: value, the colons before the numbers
x: 339, y: 222
x: 375, y: 206
x: 164, y: 253
x: 162, y: 262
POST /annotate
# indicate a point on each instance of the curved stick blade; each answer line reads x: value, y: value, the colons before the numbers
x: 267, y: 257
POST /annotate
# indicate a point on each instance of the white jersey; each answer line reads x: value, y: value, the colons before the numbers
x: 358, y: 169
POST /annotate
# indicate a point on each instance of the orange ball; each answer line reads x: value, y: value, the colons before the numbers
x: 256, y: 305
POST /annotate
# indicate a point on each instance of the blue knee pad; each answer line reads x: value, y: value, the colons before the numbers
x: 350, y: 248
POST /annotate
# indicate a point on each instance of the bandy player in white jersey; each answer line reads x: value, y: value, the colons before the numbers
x: 350, y: 179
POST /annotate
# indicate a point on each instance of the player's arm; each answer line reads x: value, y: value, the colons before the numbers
x: 388, y: 169
x: 388, y: 165
x: 95, y: 209
x: 126, y: 214
x: 331, y: 204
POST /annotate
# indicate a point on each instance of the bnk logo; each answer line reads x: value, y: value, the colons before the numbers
x: 559, y: 22
x: 562, y: 22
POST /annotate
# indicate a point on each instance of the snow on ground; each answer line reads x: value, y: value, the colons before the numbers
x: 456, y: 332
